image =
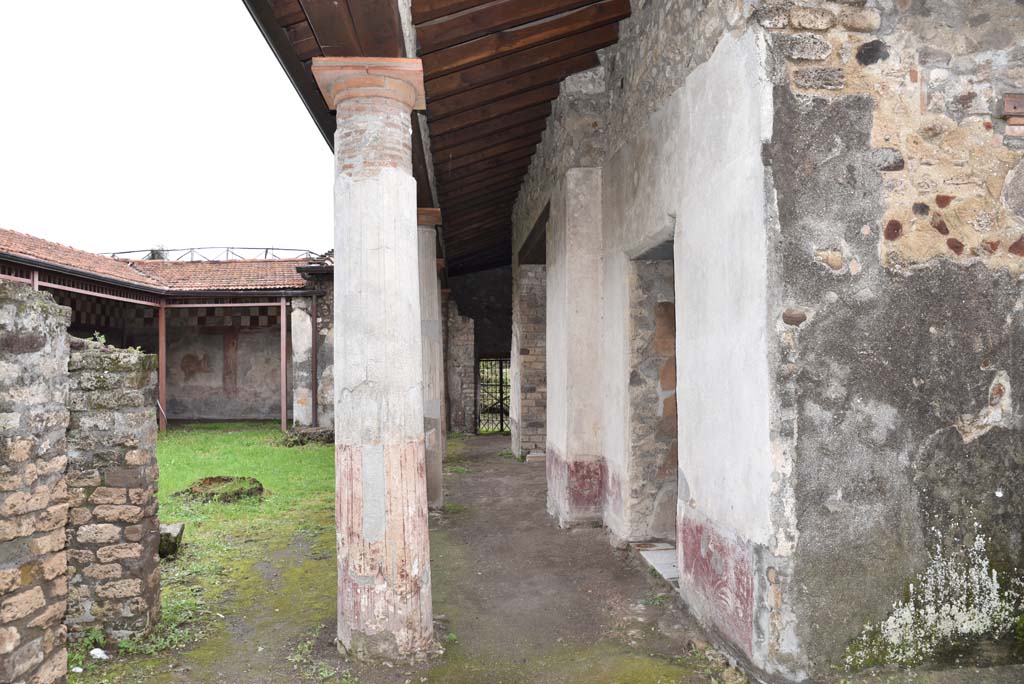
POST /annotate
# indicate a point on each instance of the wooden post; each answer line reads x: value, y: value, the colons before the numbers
x: 284, y: 364
x: 35, y: 280
x: 162, y: 360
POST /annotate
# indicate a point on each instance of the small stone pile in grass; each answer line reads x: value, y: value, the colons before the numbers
x: 223, y: 489
x: 308, y: 435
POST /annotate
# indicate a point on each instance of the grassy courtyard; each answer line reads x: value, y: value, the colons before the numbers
x: 227, y: 546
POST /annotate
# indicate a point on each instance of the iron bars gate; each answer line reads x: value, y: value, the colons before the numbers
x: 494, y: 386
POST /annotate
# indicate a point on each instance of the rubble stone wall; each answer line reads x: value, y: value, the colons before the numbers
x: 113, y: 531
x: 33, y: 490
x: 894, y: 267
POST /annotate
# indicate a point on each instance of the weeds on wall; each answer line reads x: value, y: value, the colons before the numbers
x: 957, y: 600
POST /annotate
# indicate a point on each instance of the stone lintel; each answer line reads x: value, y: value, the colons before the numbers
x: 344, y: 78
x: 428, y: 217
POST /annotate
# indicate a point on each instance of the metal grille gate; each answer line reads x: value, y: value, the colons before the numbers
x: 494, y: 385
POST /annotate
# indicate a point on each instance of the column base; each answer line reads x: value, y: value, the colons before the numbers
x: 575, y: 489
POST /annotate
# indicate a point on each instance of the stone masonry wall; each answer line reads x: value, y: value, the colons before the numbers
x: 650, y: 506
x: 113, y: 532
x: 33, y: 491
x: 460, y: 361
x: 529, y: 361
x: 894, y: 269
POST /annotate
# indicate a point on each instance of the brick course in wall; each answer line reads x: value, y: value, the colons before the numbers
x: 33, y: 491
x: 113, y: 532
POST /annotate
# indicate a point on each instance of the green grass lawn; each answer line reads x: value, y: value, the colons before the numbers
x: 220, y: 539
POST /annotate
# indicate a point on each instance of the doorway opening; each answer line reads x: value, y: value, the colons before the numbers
x: 494, y: 391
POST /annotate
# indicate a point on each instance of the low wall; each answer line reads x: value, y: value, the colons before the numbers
x: 113, y: 532
x: 33, y: 491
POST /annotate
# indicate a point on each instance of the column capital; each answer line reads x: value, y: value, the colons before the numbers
x: 344, y: 78
x: 428, y: 217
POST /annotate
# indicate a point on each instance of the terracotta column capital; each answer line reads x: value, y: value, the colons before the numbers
x: 345, y: 78
x: 428, y: 217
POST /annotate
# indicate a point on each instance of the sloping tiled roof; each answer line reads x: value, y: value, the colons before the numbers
x: 171, y: 276
x: 29, y: 246
x: 249, y: 274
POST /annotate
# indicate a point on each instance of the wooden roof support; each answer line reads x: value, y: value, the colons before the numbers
x: 475, y: 201
x: 529, y: 128
x: 535, y: 78
x: 509, y: 180
x: 506, y: 147
x: 495, y: 109
x: 509, y: 160
x: 489, y: 18
x: 425, y: 10
x: 516, y: 63
x: 529, y: 115
x: 519, y: 38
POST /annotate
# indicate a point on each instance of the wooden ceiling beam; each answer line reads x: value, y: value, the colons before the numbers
x: 378, y: 25
x: 505, y: 42
x: 287, y: 12
x: 508, y: 179
x: 490, y: 234
x: 529, y: 116
x: 464, y: 218
x: 518, y: 62
x: 483, y: 19
x: 535, y: 78
x: 503, y: 162
x: 303, y: 41
x: 333, y: 27
x: 474, y: 228
x: 451, y: 165
x: 476, y: 201
x: 494, y: 110
x: 511, y: 179
x: 529, y: 128
x: 425, y: 10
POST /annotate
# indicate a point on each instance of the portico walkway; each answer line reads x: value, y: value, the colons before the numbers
x: 516, y: 601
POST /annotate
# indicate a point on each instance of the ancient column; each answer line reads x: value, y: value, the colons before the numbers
x: 384, y: 604
x: 434, y: 427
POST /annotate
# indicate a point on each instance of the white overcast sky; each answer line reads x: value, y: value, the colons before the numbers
x: 128, y: 124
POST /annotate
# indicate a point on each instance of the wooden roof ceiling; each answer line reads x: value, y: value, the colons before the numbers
x: 492, y: 68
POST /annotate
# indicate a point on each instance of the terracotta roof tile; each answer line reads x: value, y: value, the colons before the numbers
x: 248, y: 274
x: 173, y: 276
x: 20, y: 244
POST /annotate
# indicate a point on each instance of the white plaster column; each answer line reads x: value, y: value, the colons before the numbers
x: 434, y: 428
x: 302, y: 362
x: 575, y: 462
x: 384, y: 597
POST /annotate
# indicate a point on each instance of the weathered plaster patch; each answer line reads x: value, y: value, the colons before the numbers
x: 998, y: 411
x: 374, y: 492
